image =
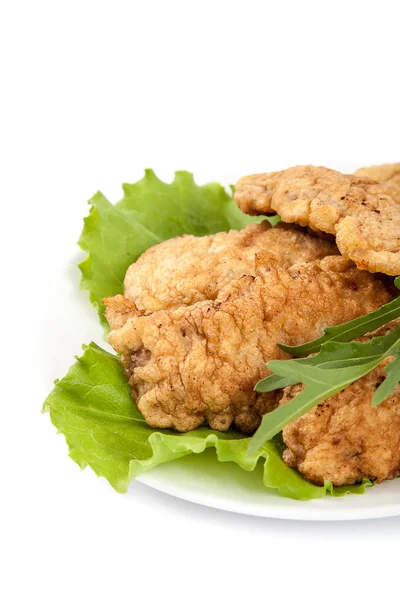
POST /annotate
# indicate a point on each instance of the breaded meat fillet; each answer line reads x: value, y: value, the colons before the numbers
x: 188, y: 269
x: 362, y: 214
x: 200, y: 363
x: 389, y: 173
x: 345, y: 439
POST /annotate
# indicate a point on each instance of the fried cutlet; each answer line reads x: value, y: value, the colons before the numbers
x: 363, y: 215
x: 345, y: 439
x: 200, y: 363
x: 188, y: 269
x: 389, y: 173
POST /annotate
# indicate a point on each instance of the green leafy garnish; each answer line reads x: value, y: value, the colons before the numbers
x: 392, y: 379
x: 331, y: 371
x: 93, y: 408
x: 115, y: 235
x: 350, y: 330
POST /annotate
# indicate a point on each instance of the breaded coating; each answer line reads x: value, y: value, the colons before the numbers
x: 200, y: 363
x: 382, y: 173
x: 364, y: 215
x: 345, y: 439
x: 189, y: 269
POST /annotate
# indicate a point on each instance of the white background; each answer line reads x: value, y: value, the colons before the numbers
x: 91, y: 93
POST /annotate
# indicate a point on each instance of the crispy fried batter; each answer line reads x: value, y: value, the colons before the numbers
x: 364, y: 215
x: 382, y: 173
x: 188, y: 269
x: 345, y: 439
x: 200, y: 363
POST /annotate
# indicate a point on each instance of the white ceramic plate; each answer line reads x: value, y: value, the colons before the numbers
x: 226, y: 486
x: 200, y: 479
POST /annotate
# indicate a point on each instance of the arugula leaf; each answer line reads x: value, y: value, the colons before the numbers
x: 324, y: 378
x: 350, y: 330
x: 114, y: 236
x: 392, y: 379
x: 325, y: 359
x: 93, y: 408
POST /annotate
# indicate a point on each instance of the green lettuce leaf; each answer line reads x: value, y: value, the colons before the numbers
x: 93, y: 408
x: 115, y: 235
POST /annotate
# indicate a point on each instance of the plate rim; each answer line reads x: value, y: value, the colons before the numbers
x: 307, y: 510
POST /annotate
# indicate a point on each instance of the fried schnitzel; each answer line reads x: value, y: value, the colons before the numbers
x: 363, y: 215
x: 188, y: 269
x: 382, y: 173
x: 345, y: 439
x: 199, y: 363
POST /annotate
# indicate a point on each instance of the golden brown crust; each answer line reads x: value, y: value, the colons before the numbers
x: 364, y: 215
x: 345, y: 439
x: 371, y: 238
x: 200, y: 363
x: 189, y: 269
x: 389, y: 173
